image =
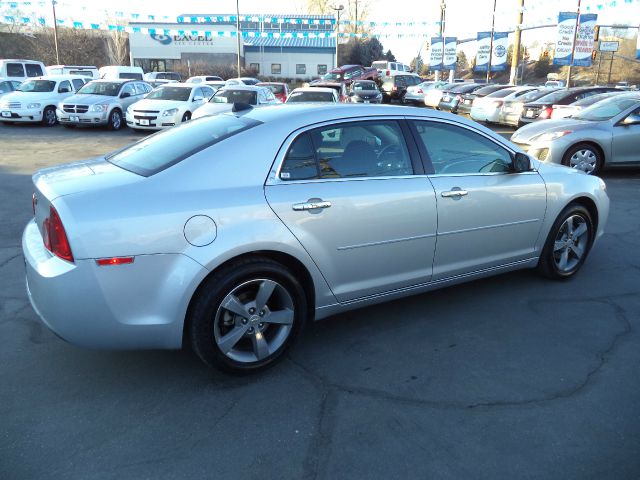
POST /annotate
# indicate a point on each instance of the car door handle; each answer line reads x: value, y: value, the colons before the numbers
x: 312, y: 204
x: 456, y: 192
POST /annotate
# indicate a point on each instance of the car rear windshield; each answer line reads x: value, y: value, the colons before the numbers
x: 274, y: 87
x: 364, y: 86
x: 37, y: 86
x: 502, y: 93
x: 585, y: 102
x: 179, y: 94
x: 379, y: 65
x: 169, y: 147
x: 553, y: 97
x: 333, y: 76
x: 533, y: 95
x: 235, y: 96
x: 488, y: 89
x: 108, y: 89
x: 310, y: 97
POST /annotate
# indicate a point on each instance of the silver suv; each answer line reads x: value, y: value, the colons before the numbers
x: 101, y: 102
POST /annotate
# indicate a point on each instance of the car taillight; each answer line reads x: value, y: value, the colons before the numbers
x: 388, y: 73
x: 546, y: 112
x: 419, y: 90
x: 459, y: 97
x: 54, y: 236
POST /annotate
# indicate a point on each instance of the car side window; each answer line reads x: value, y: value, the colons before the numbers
x: 401, y: 81
x: 207, y: 92
x: 64, y: 87
x: 300, y: 162
x: 33, y: 70
x: 15, y: 70
x: 77, y: 83
x: 129, y: 88
x: 457, y: 150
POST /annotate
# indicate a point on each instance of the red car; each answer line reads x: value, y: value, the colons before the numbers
x: 280, y: 90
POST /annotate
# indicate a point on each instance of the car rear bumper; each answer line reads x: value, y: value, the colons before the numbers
x: 140, y: 305
x: 512, y: 119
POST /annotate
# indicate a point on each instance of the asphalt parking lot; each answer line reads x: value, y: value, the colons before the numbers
x: 510, y: 377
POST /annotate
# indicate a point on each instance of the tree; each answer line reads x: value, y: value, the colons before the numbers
x: 372, y: 51
x: 542, y: 66
x: 416, y: 64
x: 118, y: 48
x: 360, y: 51
x: 462, y: 63
x: 319, y: 7
x: 389, y: 57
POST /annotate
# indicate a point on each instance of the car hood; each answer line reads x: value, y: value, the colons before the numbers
x: 89, y: 99
x: 212, y: 109
x: 526, y: 133
x: 29, y: 97
x: 157, y: 104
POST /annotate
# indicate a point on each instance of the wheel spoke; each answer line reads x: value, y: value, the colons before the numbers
x: 281, y: 317
x: 581, y: 230
x: 564, y: 259
x: 227, y: 342
x: 569, y: 224
x: 577, y: 251
x: 260, y: 345
x: 264, y: 293
x: 234, y: 305
x: 558, y: 245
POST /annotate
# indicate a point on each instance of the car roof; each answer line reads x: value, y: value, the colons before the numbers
x: 177, y: 84
x: 251, y: 88
x: 72, y: 66
x: 260, y: 84
x: 116, y: 80
x: 19, y: 60
x: 57, y: 78
x: 314, y: 89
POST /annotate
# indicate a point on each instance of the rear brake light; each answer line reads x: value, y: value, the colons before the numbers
x: 546, y: 112
x: 54, y: 236
x: 419, y: 90
x: 388, y: 72
x: 114, y: 261
x: 459, y: 97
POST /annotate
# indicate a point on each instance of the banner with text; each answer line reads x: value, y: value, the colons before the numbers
x: 564, y: 38
x: 584, y: 40
x: 499, y: 56
x: 437, y: 52
x: 484, y: 50
x: 450, y: 55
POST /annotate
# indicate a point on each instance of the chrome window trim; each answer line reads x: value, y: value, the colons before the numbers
x: 274, y: 174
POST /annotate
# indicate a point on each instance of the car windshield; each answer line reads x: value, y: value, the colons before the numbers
x: 359, y: 86
x: 235, y: 96
x: 162, y: 150
x: 108, y: 89
x: 37, y: 86
x: 310, y: 97
x: 379, y: 65
x: 274, y: 87
x: 585, y: 102
x: 333, y: 76
x: 487, y: 90
x: 5, y: 87
x: 180, y: 94
x: 464, y: 88
x: 606, y: 109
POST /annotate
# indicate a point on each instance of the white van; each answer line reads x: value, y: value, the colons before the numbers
x: 82, y: 70
x: 21, y: 69
x: 390, y: 69
x: 118, y: 72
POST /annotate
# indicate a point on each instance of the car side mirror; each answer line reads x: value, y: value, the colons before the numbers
x: 125, y: 95
x: 631, y: 119
x: 521, y: 163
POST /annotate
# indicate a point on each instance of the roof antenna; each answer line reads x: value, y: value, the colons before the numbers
x: 240, y: 107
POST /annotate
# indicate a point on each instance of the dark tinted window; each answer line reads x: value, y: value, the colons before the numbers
x: 33, y: 70
x: 179, y: 94
x: 77, y: 83
x: 274, y: 87
x: 15, y: 70
x: 134, y: 76
x: 455, y: 150
x: 164, y: 149
x: 300, y: 162
x: 64, y: 86
x: 488, y: 89
x: 37, y: 86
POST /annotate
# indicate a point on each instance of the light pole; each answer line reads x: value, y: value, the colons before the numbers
x: 443, y: 6
x: 55, y: 30
x: 513, y: 78
x: 573, y: 47
x: 238, y: 33
x: 493, y: 26
x: 338, y: 9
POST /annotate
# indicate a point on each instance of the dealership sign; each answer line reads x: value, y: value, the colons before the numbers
x: 437, y: 52
x: 609, y: 46
x: 182, y: 40
x: 484, y: 51
x: 584, y: 40
x: 564, y: 38
x: 450, y: 56
x: 499, y: 55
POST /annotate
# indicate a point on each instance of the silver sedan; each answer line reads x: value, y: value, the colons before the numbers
x: 231, y: 231
x: 606, y: 134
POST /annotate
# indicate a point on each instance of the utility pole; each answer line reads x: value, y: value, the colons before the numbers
x: 238, y: 33
x: 599, y: 63
x: 338, y: 9
x: 513, y: 78
x: 443, y: 6
x: 55, y: 30
x: 573, y: 48
x: 493, y: 26
x: 610, y: 67
x: 356, y: 30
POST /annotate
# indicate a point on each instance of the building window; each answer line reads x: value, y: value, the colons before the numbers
x: 254, y: 67
x: 322, y: 69
x: 301, y: 69
x: 276, y: 68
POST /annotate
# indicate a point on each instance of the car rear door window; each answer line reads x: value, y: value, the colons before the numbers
x: 33, y: 70
x: 348, y: 150
x: 64, y: 86
x: 78, y: 83
x: 456, y: 150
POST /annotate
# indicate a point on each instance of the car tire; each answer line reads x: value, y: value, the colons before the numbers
x: 115, y: 119
x: 585, y: 157
x: 49, y: 118
x: 568, y: 244
x: 229, y: 321
x: 68, y: 125
x: 186, y: 117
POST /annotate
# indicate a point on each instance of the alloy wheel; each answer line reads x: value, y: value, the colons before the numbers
x: 571, y: 243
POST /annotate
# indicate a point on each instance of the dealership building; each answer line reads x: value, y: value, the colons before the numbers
x: 267, y: 44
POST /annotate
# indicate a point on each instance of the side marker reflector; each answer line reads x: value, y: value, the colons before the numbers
x: 114, y: 261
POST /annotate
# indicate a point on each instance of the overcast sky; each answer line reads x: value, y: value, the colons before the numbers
x: 464, y: 18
